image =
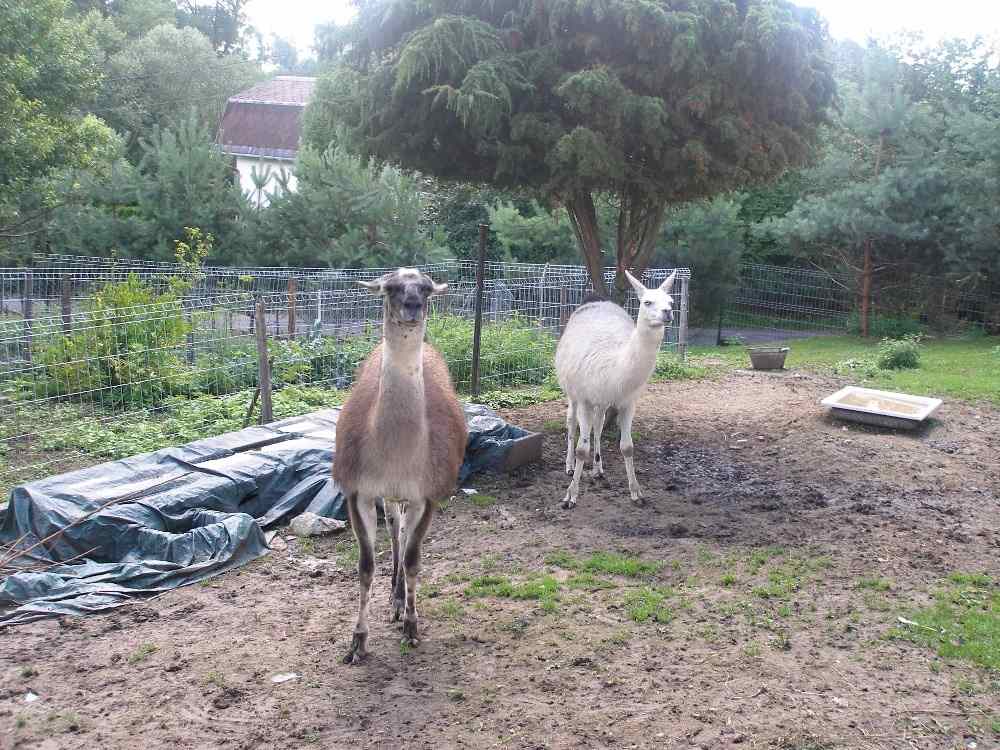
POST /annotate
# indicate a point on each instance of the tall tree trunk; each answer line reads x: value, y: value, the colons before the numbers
x: 583, y: 218
x: 639, y: 221
x: 866, y: 270
x: 866, y: 289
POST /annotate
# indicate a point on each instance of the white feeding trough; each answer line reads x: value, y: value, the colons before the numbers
x: 882, y: 408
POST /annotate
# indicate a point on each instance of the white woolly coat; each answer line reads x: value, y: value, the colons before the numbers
x: 603, y: 359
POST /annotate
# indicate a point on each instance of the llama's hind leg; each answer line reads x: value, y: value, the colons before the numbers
x: 397, y: 590
x: 570, y: 437
x: 418, y: 520
x: 597, y: 471
x: 628, y: 450
x: 585, y: 415
x: 361, y: 512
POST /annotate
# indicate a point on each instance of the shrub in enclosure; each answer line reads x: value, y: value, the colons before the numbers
x: 899, y: 354
x: 125, y: 353
x: 512, y: 351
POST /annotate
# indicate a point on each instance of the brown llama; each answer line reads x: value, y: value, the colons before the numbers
x: 401, y: 436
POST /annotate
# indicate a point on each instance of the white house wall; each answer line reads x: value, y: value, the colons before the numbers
x: 244, y: 165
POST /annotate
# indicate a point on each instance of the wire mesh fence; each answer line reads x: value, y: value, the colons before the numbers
x: 773, y: 303
x: 86, y: 375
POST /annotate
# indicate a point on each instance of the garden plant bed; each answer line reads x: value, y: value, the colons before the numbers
x: 752, y: 603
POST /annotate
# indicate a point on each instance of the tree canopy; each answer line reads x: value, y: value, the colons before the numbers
x: 652, y: 102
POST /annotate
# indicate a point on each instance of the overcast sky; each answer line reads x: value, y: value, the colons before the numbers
x: 855, y: 19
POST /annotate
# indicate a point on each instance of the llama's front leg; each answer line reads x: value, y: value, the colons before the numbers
x: 628, y: 450
x: 582, y: 451
x: 361, y: 512
x: 597, y: 472
x: 396, y: 591
x: 570, y: 437
x: 418, y: 520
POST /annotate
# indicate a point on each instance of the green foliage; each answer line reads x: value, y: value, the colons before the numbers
x: 160, y: 77
x: 610, y: 563
x: 540, y: 588
x: 181, y: 181
x: 886, y: 326
x: 651, y: 103
x: 346, y: 212
x: 49, y: 71
x: 518, y: 351
x: 126, y: 353
x: 645, y: 604
x: 899, y: 354
x: 707, y: 237
x: 177, y: 419
x: 962, y: 623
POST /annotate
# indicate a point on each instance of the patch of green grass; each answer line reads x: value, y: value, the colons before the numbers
x: 589, y: 582
x: 669, y: 367
x: 609, y: 563
x: 449, y: 609
x: 143, y: 652
x: 728, y: 579
x: 554, y: 425
x: 645, y: 604
x: 962, y: 368
x: 482, y: 501
x: 307, y: 544
x: 27, y: 673
x: 405, y: 648
x: 455, y: 695
x: 874, y: 584
x: 347, y: 553
x: 758, y: 558
x: 542, y: 589
x: 752, y: 650
x: 962, y: 623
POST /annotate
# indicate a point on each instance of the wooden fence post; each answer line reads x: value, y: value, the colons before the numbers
x: 67, y: 303
x: 263, y: 364
x: 477, y: 332
x: 293, y: 288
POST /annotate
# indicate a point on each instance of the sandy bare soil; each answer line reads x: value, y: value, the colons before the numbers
x: 765, y: 516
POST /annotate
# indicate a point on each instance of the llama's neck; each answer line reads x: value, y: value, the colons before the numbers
x: 641, y: 348
x: 401, y: 391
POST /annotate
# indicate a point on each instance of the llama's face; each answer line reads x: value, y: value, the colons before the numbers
x: 656, y: 306
x: 406, y: 292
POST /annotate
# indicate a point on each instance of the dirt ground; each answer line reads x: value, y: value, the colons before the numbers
x: 766, y: 517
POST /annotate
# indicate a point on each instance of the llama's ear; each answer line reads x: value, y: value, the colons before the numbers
x: 375, y: 287
x: 440, y: 288
x: 668, y: 283
x: 636, y: 284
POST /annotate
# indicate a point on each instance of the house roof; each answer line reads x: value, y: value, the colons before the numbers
x: 266, y: 120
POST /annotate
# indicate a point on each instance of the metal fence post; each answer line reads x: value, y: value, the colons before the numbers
x: 478, y: 329
x: 67, y: 302
x: 293, y: 288
x: 263, y: 364
x: 682, y: 330
x: 28, y: 312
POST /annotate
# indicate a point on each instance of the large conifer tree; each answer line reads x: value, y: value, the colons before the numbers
x: 650, y: 101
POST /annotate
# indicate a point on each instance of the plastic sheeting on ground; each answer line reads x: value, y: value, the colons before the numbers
x: 156, y: 521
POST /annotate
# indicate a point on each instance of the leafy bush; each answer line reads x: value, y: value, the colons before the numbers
x: 126, y: 353
x: 512, y: 352
x: 865, y: 368
x: 901, y: 354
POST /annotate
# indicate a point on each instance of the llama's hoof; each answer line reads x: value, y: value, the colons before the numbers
x: 598, y: 475
x: 568, y: 503
x: 397, y: 609
x: 410, y: 633
x: 359, y: 649
x: 570, y: 470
